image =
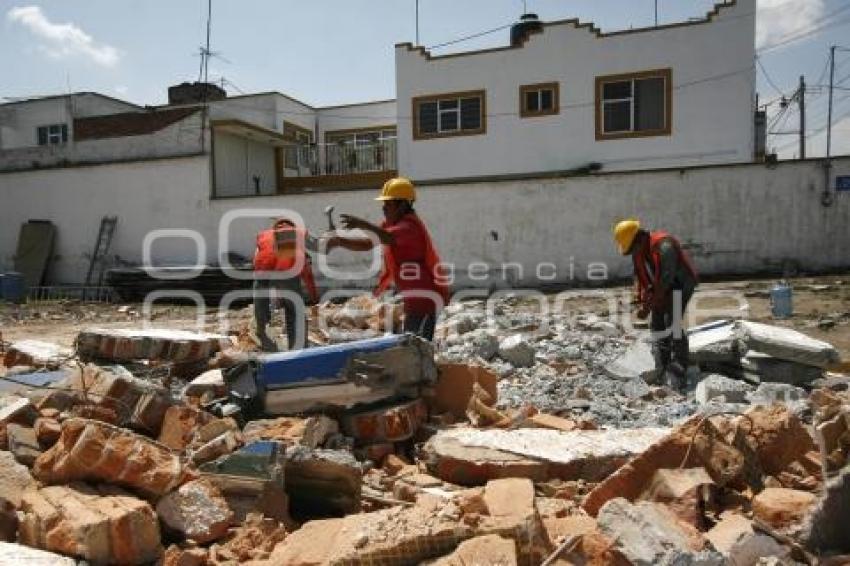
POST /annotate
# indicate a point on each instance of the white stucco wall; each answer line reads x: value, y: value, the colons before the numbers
x: 19, y: 121
x: 179, y: 138
x: 712, y: 103
x: 367, y: 114
x: 738, y: 219
x: 237, y: 161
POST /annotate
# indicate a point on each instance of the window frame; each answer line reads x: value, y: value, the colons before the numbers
x: 524, y: 90
x: 417, y: 101
x: 666, y: 74
x: 61, y: 134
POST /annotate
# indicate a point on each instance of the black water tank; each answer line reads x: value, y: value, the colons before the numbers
x: 192, y: 93
x: 527, y: 24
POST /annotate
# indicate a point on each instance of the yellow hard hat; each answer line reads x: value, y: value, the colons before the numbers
x: 624, y: 234
x: 399, y: 188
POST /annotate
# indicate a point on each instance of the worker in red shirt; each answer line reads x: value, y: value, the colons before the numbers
x: 665, y: 280
x: 411, y: 262
x: 279, y: 249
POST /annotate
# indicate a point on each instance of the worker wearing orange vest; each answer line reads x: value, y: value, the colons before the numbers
x: 665, y: 280
x: 411, y: 262
x: 279, y: 249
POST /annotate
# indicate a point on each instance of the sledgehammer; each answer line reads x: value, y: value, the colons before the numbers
x: 329, y: 211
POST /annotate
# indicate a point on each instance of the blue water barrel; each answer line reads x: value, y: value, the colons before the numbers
x: 781, y: 302
x: 13, y: 287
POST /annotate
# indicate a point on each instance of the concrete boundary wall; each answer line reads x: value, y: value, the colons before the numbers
x: 741, y: 219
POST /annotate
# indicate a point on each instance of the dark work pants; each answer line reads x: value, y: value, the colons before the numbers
x: 294, y: 313
x: 423, y: 325
x: 670, y: 339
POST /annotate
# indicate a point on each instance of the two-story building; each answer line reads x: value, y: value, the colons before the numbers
x: 564, y: 95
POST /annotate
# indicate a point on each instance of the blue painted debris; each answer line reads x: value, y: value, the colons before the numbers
x: 341, y: 376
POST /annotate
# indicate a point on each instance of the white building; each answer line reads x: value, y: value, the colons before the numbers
x: 565, y: 95
x: 674, y: 101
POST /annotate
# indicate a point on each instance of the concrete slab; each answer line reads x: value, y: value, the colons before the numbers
x: 780, y: 371
x: 472, y: 456
x: 713, y: 342
x: 786, y: 344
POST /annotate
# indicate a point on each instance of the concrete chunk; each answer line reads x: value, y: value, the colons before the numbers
x: 517, y: 350
x: 713, y: 342
x: 782, y: 371
x: 14, y: 478
x: 322, y: 482
x: 23, y: 443
x: 733, y: 537
x: 471, y: 456
x: 197, y: 511
x: 637, y: 362
x: 35, y: 353
x: 648, y: 534
x: 787, y: 344
x: 13, y: 554
x: 722, y: 388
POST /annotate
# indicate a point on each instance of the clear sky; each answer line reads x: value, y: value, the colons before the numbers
x: 328, y: 52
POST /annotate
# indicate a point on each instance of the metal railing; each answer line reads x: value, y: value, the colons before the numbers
x: 340, y: 158
x: 82, y: 293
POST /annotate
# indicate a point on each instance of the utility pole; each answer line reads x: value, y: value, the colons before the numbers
x: 829, y: 112
x: 656, y: 13
x: 417, y: 23
x: 801, y: 101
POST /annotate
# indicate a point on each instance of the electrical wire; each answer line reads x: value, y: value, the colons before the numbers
x: 819, y: 26
x: 468, y: 37
x: 767, y: 76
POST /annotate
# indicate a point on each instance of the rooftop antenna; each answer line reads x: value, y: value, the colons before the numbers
x: 204, y: 72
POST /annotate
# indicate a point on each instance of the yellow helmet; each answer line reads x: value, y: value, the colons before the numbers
x: 399, y: 188
x: 624, y: 234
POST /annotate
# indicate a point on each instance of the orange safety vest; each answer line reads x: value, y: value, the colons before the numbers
x: 277, y: 250
x: 649, y: 254
x: 392, y: 270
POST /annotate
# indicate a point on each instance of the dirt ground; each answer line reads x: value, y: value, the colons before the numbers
x: 821, y: 310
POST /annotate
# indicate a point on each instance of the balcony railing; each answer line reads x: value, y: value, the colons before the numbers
x: 340, y: 158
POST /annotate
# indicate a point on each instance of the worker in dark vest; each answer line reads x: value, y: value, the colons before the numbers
x: 411, y: 262
x: 279, y: 249
x: 665, y: 281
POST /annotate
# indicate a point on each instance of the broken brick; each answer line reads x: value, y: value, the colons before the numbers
x: 685, y: 446
x: 782, y: 508
x: 108, y: 526
x: 179, y: 424
x: 454, y: 384
x: 94, y: 451
x: 488, y: 549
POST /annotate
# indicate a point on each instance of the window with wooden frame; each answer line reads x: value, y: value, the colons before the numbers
x: 634, y: 105
x: 451, y: 114
x: 538, y: 100
x: 298, y: 155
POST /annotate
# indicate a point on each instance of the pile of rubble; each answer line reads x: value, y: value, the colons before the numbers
x: 496, y: 446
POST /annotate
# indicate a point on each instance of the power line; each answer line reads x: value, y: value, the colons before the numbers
x: 468, y: 37
x: 818, y: 26
x: 586, y: 104
x: 767, y: 76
